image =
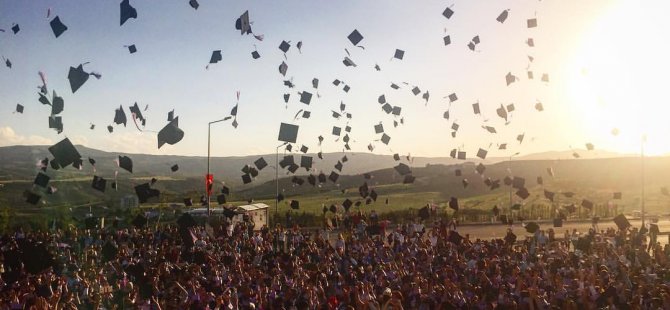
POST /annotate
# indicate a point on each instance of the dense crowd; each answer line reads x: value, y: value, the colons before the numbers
x: 404, y: 267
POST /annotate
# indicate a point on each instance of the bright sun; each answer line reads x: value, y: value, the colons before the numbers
x: 620, y: 78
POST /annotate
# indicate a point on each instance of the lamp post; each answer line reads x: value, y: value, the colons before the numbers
x: 209, y: 146
x: 277, y: 181
x: 509, y: 167
x: 642, y: 141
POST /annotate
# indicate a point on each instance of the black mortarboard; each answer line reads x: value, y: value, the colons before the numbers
x: 216, y: 57
x: 424, y: 213
x: 530, y: 42
x: 57, y: 104
x: 283, y: 68
x: 260, y: 163
x: 126, y: 163
x: 399, y: 54
x: 621, y: 222
x: 510, y: 107
x: 145, y: 192
x: 320, y: 155
x: 120, y: 116
x: 532, y: 227
x: 132, y: 49
x: 315, y: 83
x: 448, y: 12
x: 295, y: 204
x: 403, y: 169
x: 305, y: 97
x: 396, y: 110
x: 297, y: 180
x: 386, y: 139
x: 455, y: 126
x: 387, y: 108
x: 306, y: 162
x: 41, y: 180
x: 288, y: 133
x: 242, y: 23
x: 482, y: 153
x: 194, y: 4
x: 379, y: 128
x: 503, y: 16
x: 461, y: 155
x: 56, y: 122
x: 31, y: 197
x: 509, y: 78
x: 532, y: 23
x: 523, y: 193
x: 502, y: 112
x: 348, y: 62
x: 43, y: 99
x: 16, y: 28
x: 408, y: 179
x: 293, y: 168
x: 518, y: 182
x: 587, y: 204
x: 57, y: 26
x: 322, y: 177
x: 355, y: 37
x: 221, y: 199
x: 447, y: 40
x: 453, y: 203
x: 110, y: 128
x: 453, y: 152
x: 99, y: 183
x: 174, y: 168
x: 333, y: 176
x: 170, y: 134
x: 453, y: 97
x: 480, y: 168
x: 416, y: 90
x: 77, y: 77
x: 530, y: 75
x: 339, y: 166
x: 558, y: 222
x: 64, y: 153
x: 396, y: 157
x: 246, y: 178
x: 336, y: 131
x: 284, y: 46
x: 255, y: 55
x: 539, y: 107
x: 127, y: 11
x: 19, y: 108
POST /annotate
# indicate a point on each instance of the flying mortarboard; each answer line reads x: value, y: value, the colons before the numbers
x: 306, y: 162
x: 333, y: 176
x: 216, y: 57
x: 242, y: 23
x: 503, y: 16
x: 480, y: 168
x: 56, y: 122
x: 461, y: 155
x: 255, y: 55
x: 510, y: 78
x: 132, y: 49
x: 409, y: 179
x: 385, y: 138
x: 518, y: 182
x: 57, y: 104
x: 126, y: 163
x: 145, y: 192
x: 194, y: 4
x: 174, y: 168
x: 448, y: 12
x: 120, y: 116
x: 19, y: 108
x: 399, y: 54
x: 403, y: 169
x: 288, y: 133
x: 531, y: 23
x: 305, y: 97
x: 283, y: 68
x: 99, y: 183
x: 57, y: 26
x: 64, y: 153
x: 284, y: 46
x: 16, y: 28
x: 246, y: 178
x: 447, y: 40
x: 77, y: 77
x: 621, y: 222
x: 355, y: 37
x: 41, y: 180
x: 482, y: 153
x: 127, y: 11
x: 453, y: 203
x: 170, y: 134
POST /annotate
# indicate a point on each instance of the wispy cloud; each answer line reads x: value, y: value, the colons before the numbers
x: 9, y: 137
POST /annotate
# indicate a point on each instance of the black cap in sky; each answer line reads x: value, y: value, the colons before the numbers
x: 399, y: 54
x: 170, y: 134
x: 127, y: 11
x: 355, y: 37
x: 503, y: 16
x: 532, y: 227
x: 260, y: 163
x: 126, y: 163
x: 64, y: 153
x: 77, y: 77
x: 284, y: 46
x: 174, y: 168
x: 41, y: 180
x: 16, y: 28
x: 409, y: 179
x: 99, y: 183
x: 288, y: 133
x: 145, y: 192
x: 57, y: 104
x: 333, y: 176
x: 120, y: 116
x: 56, y: 122
x: 57, y: 26
x: 305, y: 97
x: 132, y: 49
x: 482, y: 153
x: 19, y: 108
x: 448, y: 12
x: 523, y: 193
x: 242, y: 23
x: 306, y: 162
x: 216, y: 57
x: 403, y: 169
x: 531, y: 23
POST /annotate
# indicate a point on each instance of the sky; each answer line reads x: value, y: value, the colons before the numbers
x: 606, y: 62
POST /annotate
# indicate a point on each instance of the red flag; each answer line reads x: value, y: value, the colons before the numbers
x: 209, y: 181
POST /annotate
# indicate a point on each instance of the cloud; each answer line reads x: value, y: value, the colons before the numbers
x: 127, y: 142
x: 9, y: 137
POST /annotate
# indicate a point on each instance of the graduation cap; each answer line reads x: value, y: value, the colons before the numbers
x: 57, y: 26
x: 16, y: 28
x: 399, y: 54
x: 246, y: 178
x: 288, y: 133
x: 503, y: 16
x: 453, y: 203
x: 110, y: 128
x: 510, y: 78
x: 41, y: 180
x: 448, y: 12
x: 126, y: 163
x: 539, y: 107
x: 409, y: 179
x: 531, y: 23
x: 174, y: 168
x: 127, y: 11
x: 475, y: 108
x: 120, y: 116
x: 255, y: 55
x: 305, y: 97
x: 306, y: 162
x: 355, y: 37
x: 336, y: 131
x: 170, y: 134
x: 532, y: 227
x: 295, y: 204
x: 99, y: 183
x: 348, y: 62
x: 77, y: 77
x: 315, y: 83
x: 57, y: 104
x: 145, y: 192
x: 216, y: 57
x: 311, y: 179
x: 64, y: 153
x: 283, y: 68
x: 523, y: 193
x: 260, y: 163
x: 403, y: 169
x: 242, y: 23
x: 333, y: 176
x: 424, y: 213
x: 416, y: 90
x: 461, y: 155
x: 480, y: 168
x: 447, y: 40
x: 385, y: 138
x: 284, y: 46
x: 453, y: 97
x: 379, y: 128
x: 194, y: 4
x: 482, y: 153
x: 502, y: 112
x: 396, y: 157
x: 621, y: 222
x: 56, y: 122
x: 587, y: 204
x: 322, y: 177
x: 347, y: 204
x: 530, y: 75
x: 19, y: 108
x: 132, y: 49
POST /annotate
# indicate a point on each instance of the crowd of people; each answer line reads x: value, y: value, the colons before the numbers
x: 407, y: 266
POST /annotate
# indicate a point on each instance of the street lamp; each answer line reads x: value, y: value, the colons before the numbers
x: 509, y: 168
x: 209, y: 146
x: 277, y: 181
x: 642, y: 141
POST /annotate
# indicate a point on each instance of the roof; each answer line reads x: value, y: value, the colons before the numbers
x: 252, y: 207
